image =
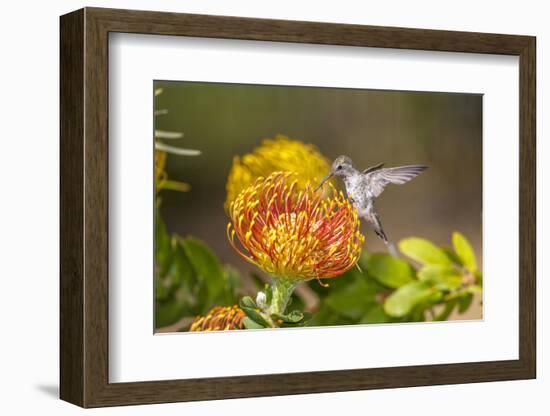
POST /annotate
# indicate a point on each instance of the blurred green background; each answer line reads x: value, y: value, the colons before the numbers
x: 441, y: 130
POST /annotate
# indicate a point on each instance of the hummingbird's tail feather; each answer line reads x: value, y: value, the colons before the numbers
x: 392, y: 250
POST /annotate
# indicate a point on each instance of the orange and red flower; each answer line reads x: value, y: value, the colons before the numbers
x: 292, y: 233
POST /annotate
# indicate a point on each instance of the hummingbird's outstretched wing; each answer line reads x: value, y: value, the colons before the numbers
x: 378, y: 179
x: 373, y: 168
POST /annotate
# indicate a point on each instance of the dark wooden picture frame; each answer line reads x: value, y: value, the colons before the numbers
x: 84, y: 207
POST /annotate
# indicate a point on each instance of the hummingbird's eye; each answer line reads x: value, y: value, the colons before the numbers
x: 339, y: 167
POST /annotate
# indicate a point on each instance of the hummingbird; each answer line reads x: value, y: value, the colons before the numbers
x: 363, y: 187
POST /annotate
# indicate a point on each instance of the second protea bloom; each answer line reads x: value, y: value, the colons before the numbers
x: 276, y: 155
x: 294, y: 234
x: 219, y: 318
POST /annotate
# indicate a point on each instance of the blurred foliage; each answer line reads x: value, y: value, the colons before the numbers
x: 189, y: 278
x: 390, y: 289
x: 435, y: 282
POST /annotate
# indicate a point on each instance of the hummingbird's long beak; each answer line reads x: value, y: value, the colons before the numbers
x: 324, y: 180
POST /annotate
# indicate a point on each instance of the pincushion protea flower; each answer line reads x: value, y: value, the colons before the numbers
x: 294, y: 234
x: 219, y: 318
x: 276, y: 155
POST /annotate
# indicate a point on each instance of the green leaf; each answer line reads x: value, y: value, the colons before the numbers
x: 206, y: 266
x: 163, y: 248
x: 375, y: 315
x: 452, y: 255
x: 417, y: 314
x: 390, y: 271
x: 291, y: 318
x: 424, y: 251
x: 479, y: 278
x: 464, y: 251
x: 327, y: 316
x: 473, y: 289
x: 363, y: 259
x: 173, y: 185
x: 404, y: 299
x: 444, y: 277
x: 180, y: 271
x: 250, y: 324
x: 233, y: 284
x: 295, y: 316
x: 268, y: 293
x: 464, y: 302
x: 351, y: 300
x: 166, y: 313
x: 447, y: 310
x: 255, y: 316
x: 161, y: 292
x: 247, y: 302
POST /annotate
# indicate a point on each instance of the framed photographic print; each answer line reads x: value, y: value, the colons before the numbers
x: 260, y: 207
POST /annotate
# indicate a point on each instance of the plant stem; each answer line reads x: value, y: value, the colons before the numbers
x: 281, y: 292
